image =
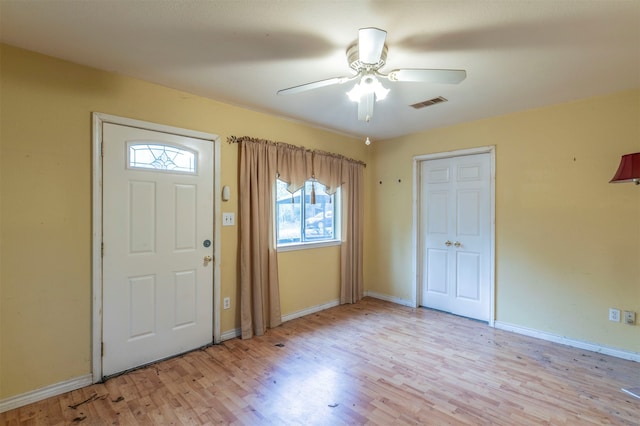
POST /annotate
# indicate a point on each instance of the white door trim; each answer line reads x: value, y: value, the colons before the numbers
x: 96, y: 298
x: 417, y: 274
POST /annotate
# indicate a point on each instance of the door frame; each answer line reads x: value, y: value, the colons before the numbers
x: 417, y: 253
x: 99, y: 119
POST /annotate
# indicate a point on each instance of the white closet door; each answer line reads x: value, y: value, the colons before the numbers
x: 455, y: 226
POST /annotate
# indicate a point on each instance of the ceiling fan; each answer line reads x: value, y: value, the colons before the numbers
x: 366, y: 57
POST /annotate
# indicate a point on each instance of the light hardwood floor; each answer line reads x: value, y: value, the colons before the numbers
x: 373, y: 362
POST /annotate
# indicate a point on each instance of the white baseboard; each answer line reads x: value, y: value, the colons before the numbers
x: 231, y: 334
x: 45, y: 392
x: 593, y: 347
x: 237, y: 332
x: 310, y: 310
x: 392, y: 299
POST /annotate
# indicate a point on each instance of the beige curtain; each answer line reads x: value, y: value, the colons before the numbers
x: 334, y: 171
x: 351, y: 250
x: 259, y: 291
x: 260, y: 162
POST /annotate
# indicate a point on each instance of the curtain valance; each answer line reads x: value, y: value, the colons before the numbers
x: 296, y: 164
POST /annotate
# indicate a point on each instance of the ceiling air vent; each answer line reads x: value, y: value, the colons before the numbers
x: 430, y: 102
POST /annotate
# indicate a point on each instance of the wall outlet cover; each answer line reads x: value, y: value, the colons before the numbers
x: 614, y: 314
x: 228, y: 219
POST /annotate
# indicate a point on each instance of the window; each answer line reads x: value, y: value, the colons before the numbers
x: 299, y: 221
x: 161, y: 157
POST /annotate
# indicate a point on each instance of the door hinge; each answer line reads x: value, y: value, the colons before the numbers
x: 102, y: 149
x: 102, y: 249
x: 102, y: 349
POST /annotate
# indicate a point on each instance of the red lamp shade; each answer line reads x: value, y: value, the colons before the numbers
x: 628, y: 170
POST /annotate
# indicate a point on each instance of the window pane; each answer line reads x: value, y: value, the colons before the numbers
x: 161, y: 157
x: 306, y: 216
x: 288, y: 215
x: 319, y: 224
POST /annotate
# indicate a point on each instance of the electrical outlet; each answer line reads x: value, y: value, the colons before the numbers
x: 226, y: 303
x: 614, y: 314
x: 629, y: 317
x: 228, y: 219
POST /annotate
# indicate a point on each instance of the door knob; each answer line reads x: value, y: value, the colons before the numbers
x: 448, y: 243
x: 207, y: 259
x: 457, y: 244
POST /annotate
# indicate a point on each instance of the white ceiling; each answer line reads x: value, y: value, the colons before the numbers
x: 518, y: 54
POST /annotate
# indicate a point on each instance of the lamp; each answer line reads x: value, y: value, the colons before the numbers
x: 628, y: 170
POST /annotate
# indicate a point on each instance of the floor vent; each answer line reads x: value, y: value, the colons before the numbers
x: 430, y: 102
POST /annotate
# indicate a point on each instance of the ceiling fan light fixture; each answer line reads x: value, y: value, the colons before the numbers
x: 354, y: 93
x: 380, y: 91
x: 368, y: 84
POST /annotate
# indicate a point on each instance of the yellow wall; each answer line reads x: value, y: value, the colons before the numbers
x: 567, y: 241
x: 45, y: 215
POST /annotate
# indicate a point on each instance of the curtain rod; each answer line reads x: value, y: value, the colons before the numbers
x: 236, y: 139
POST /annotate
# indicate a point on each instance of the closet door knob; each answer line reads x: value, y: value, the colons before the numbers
x: 457, y: 244
x: 448, y: 243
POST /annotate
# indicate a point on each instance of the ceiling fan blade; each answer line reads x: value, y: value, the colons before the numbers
x: 428, y: 75
x: 365, y: 106
x: 314, y: 85
x: 370, y: 44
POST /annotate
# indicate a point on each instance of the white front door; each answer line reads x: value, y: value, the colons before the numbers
x: 455, y: 243
x: 157, y: 235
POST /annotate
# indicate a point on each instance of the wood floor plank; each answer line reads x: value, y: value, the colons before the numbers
x: 373, y: 363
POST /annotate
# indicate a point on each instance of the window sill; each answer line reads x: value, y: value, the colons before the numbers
x: 309, y: 245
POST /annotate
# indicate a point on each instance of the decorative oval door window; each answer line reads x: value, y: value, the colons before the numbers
x: 161, y: 157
